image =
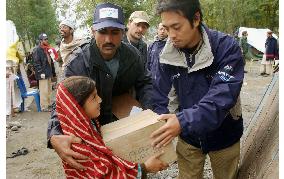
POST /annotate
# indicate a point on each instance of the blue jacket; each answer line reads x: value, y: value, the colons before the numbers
x: 271, y: 48
x: 208, y: 86
x: 154, y: 51
x: 41, y: 63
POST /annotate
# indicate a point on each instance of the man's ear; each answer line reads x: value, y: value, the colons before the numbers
x: 128, y: 24
x: 196, y: 19
x: 93, y: 31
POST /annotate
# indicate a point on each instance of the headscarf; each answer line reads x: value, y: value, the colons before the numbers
x: 67, y: 49
x: 102, y: 163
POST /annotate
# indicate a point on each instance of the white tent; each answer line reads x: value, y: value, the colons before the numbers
x: 11, y: 33
x: 256, y: 37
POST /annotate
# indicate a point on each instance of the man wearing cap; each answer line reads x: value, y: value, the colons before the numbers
x: 69, y: 42
x: 43, y: 71
x: 116, y: 67
x: 137, y: 27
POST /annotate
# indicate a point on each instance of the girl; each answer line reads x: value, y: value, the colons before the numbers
x: 77, y: 102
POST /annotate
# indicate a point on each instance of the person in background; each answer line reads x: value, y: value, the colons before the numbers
x: 31, y: 76
x: 244, y: 46
x: 43, y: 71
x: 115, y: 66
x: 271, y: 54
x: 29, y: 58
x: 137, y: 27
x: 68, y: 42
x: 156, y: 47
x: 206, y: 69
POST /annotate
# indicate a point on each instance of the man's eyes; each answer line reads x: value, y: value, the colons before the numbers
x: 106, y: 33
x: 176, y: 27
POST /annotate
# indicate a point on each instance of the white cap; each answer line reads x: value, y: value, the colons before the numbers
x: 68, y: 23
x: 140, y: 16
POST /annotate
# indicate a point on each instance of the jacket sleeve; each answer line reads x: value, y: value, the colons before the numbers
x: 54, y: 127
x: 276, y: 50
x: 143, y: 85
x: 149, y: 55
x: 209, y: 113
x: 162, y: 84
x: 37, y: 61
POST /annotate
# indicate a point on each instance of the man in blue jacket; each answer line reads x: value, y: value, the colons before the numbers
x: 206, y: 69
x: 156, y: 47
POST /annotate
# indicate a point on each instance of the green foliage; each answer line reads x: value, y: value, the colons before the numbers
x: 227, y: 15
x: 32, y: 17
x: 223, y: 15
x: 85, y: 8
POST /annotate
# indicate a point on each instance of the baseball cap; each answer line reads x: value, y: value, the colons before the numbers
x: 108, y: 15
x: 68, y: 23
x: 42, y: 36
x: 139, y: 16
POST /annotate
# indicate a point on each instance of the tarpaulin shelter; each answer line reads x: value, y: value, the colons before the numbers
x: 256, y: 37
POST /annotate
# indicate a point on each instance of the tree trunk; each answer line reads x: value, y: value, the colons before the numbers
x: 23, y: 42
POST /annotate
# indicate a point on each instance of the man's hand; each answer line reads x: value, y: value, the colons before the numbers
x: 165, y: 134
x: 62, y: 146
x: 42, y: 76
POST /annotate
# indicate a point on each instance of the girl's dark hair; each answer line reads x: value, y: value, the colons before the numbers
x: 80, y: 87
x: 188, y: 8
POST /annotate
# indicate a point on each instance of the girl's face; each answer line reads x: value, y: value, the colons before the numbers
x: 92, y: 105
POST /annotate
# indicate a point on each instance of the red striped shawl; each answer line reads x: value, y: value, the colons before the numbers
x: 103, y: 163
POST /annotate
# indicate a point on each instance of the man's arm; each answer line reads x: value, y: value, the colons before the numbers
x: 62, y: 143
x: 143, y: 85
x: 149, y: 57
x: 54, y: 127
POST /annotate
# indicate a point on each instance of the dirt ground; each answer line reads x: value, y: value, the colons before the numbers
x: 43, y: 163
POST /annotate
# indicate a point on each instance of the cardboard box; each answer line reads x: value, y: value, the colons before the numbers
x: 122, y: 105
x: 129, y: 138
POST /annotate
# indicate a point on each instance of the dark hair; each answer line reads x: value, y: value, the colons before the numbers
x: 188, y: 8
x: 244, y: 32
x: 80, y: 87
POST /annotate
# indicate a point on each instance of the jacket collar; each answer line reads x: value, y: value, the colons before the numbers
x: 156, y: 38
x: 203, y: 58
